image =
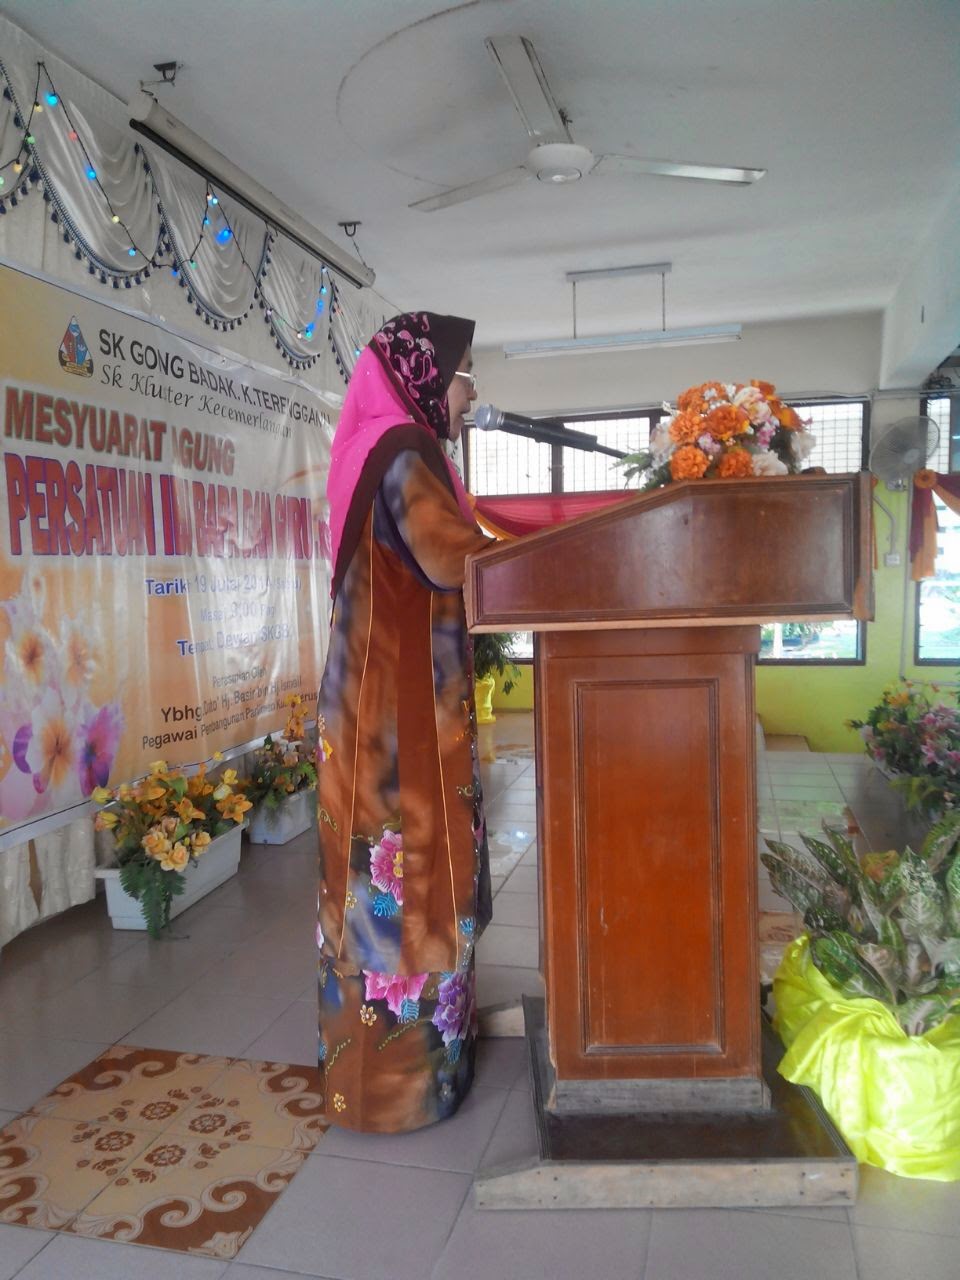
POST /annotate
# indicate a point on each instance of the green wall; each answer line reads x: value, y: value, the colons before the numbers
x: 814, y: 701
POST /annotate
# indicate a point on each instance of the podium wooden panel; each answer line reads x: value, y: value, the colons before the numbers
x: 646, y: 767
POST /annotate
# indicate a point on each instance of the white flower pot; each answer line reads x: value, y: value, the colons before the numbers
x: 219, y: 861
x: 293, y: 816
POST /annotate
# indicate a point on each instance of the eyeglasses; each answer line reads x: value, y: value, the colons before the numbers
x: 470, y: 377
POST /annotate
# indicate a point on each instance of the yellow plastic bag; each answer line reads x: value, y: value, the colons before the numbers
x: 894, y: 1097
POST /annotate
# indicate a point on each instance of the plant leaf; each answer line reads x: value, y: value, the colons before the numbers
x: 922, y: 908
x: 944, y: 954
x: 837, y: 957
x: 922, y: 1013
x: 839, y: 860
x: 795, y: 875
x: 941, y: 840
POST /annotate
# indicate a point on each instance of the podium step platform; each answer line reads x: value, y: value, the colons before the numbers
x: 788, y: 1154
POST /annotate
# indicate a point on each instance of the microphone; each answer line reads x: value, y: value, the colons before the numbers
x: 487, y: 417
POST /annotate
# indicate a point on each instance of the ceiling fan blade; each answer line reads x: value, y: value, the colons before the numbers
x: 470, y: 190
x: 671, y: 169
x: 520, y: 67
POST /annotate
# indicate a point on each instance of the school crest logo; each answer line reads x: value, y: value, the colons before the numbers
x: 74, y: 354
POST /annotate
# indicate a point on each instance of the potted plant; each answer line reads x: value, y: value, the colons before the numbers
x: 492, y: 656
x: 282, y: 781
x: 868, y: 1000
x: 162, y: 826
x: 916, y: 743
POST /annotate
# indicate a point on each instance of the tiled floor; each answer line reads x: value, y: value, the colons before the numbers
x: 236, y: 980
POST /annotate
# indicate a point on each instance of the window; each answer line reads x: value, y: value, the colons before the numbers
x: 499, y: 463
x: 937, y: 627
x: 841, y: 431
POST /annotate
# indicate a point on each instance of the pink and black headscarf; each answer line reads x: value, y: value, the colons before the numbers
x: 397, y: 400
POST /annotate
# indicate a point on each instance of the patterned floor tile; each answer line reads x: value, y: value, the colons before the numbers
x: 269, y: 1104
x: 192, y: 1193
x: 51, y: 1168
x: 147, y: 1088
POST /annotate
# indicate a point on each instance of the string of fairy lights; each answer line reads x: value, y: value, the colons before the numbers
x: 213, y: 221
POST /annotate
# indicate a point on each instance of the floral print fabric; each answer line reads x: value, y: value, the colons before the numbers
x: 404, y: 878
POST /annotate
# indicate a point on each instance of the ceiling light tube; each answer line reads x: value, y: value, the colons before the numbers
x: 159, y: 126
x: 622, y: 341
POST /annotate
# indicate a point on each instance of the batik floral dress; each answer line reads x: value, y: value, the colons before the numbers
x: 404, y: 875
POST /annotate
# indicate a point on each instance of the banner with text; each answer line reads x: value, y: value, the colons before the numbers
x: 164, y: 552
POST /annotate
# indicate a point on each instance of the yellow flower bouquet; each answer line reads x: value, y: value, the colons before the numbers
x: 285, y: 765
x: 162, y: 823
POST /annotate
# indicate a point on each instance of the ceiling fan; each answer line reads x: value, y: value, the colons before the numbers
x: 554, y: 156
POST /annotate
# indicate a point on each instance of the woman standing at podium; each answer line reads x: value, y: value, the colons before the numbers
x: 404, y: 874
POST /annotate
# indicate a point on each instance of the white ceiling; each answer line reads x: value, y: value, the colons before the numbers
x: 355, y: 108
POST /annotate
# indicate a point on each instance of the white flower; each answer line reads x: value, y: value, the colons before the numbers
x: 768, y: 464
x: 660, y: 443
x: 802, y: 444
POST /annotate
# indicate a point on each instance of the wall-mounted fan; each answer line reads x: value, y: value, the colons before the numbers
x: 903, y: 449
x: 555, y: 157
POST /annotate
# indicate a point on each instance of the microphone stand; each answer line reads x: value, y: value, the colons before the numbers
x: 551, y: 431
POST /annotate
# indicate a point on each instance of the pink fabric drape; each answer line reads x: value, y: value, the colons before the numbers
x: 525, y: 513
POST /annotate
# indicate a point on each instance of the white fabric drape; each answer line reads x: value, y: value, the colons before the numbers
x: 291, y: 289
x: 226, y: 274
x: 45, y: 876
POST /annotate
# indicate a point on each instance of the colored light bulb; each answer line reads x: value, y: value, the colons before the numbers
x: 17, y: 167
x: 115, y: 218
x: 224, y: 234
x: 73, y: 135
x: 132, y: 252
x: 52, y: 99
x: 92, y: 174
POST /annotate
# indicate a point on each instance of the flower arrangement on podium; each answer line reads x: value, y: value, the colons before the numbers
x: 283, y: 770
x: 163, y: 824
x: 723, y: 430
x: 915, y: 742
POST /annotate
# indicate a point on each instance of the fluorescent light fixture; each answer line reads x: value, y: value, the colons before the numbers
x: 160, y: 127
x: 622, y: 341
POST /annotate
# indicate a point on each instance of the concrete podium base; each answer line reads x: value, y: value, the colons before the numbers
x: 787, y: 1154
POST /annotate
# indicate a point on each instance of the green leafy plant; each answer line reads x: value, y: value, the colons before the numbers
x: 162, y: 823
x: 493, y: 652
x: 884, y: 925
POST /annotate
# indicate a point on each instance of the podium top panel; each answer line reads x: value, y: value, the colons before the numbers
x: 696, y: 553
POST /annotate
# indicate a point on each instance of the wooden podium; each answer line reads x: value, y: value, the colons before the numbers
x: 648, y: 617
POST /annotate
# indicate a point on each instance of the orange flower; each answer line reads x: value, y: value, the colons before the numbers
x: 734, y: 464
x: 789, y: 418
x: 765, y: 388
x: 725, y: 421
x: 688, y: 463
x: 698, y: 399
x: 156, y: 843
x: 234, y: 807
x: 188, y: 811
x: 686, y: 427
